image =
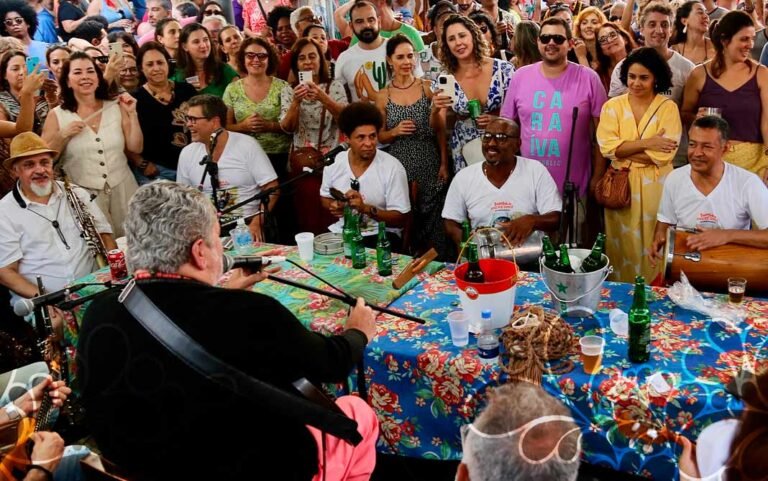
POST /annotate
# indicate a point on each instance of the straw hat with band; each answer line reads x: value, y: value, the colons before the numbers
x: 27, y: 144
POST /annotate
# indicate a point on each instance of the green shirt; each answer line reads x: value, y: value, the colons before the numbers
x: 268, y: 108
x: 413, y: 35
x: 228, y: 74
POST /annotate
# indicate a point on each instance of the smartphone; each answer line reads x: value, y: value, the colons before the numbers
x: 305, y: 76
x: 32, y: 63
x: 447, y: 83
x: 115, y: 47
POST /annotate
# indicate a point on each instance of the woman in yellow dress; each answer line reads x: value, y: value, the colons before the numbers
x: 640, y: 130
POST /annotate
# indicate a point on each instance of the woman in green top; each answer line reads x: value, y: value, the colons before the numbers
x: 254, y: 101
x: 198, y: 64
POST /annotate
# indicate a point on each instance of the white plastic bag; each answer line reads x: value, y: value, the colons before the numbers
x: 686, y: 296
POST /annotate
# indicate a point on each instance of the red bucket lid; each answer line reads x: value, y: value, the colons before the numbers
x: 500, y: 275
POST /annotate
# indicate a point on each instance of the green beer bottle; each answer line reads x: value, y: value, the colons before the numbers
x: 594, y: 261
x: 639, y: 325
x: 466, y: 232
x: 358, y: 248
x: 550, y: 256
x: 564, y: 262
x: 474, y: 273
x: 348, y: 231
x: 383, y: 252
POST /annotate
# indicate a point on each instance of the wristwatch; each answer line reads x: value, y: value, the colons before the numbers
x: 13, y: 411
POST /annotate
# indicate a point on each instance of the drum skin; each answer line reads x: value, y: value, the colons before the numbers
x: 717, y: 264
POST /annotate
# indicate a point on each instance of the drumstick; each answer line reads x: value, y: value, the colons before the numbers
x: 93, y: 115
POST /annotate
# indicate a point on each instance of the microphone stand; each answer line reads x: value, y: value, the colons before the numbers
x: 570, y: 191
x: 212, y: 169
x: 72, y: 303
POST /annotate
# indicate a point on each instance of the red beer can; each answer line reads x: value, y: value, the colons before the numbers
x: 117, y: 266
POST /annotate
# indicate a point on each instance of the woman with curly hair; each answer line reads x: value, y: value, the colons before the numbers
x: 19, y: 20
x: 488, y: 28
x: 464, y: 54
x: 614, y: 46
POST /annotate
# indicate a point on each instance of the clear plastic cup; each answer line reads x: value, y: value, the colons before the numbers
x: 592, y: 353
x: 458, y: 321
x: 619, y: 322
x: 306, y: 243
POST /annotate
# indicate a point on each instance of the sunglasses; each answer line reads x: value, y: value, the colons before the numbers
x: 498, y: 136
x: 607, y: 38
x: 208, y: 13
x: 102, y: 59
x: 614, y: 18
x: 262, y: 56
x: 13, y: 21
x: 558, y: 39
x: 312, y: 19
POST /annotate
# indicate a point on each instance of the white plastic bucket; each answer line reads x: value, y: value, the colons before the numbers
x: 497, y: 293
x: 578, y: 294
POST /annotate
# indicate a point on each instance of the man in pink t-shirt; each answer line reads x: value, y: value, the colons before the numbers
x: 542, y: 97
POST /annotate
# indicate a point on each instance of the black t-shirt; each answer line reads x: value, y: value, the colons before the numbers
x: 164, y: 127
x: 150, y: 413
x: 67, y: 11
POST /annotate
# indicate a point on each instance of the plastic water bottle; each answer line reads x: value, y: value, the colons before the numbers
x: 241, y: 236
x: 487, y: 340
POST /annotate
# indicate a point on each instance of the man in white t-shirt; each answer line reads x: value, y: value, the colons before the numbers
x: 237, y: 162
x: 373, y: 182
x: 711, y: 195
x: 512, y: 193
x: 656, y: 27
x: 363, y: 66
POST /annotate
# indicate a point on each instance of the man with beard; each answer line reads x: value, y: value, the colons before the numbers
x: 542, y: 98
x: 374, y: 183
x: 158, y: 10
x: 240, y: 166
x: 391, y: 26
x: 363, y: 66
x: 468, y: 6
x: 512, y: 193
x: 38, y: 232
x: 19, y: 20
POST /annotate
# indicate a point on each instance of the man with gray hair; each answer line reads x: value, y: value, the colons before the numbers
x: 147, y: 410
x: 523, y: 434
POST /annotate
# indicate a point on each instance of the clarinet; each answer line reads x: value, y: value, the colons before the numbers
x: 85, y: 222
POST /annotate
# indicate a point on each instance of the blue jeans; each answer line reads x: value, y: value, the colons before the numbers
x: 162, y: 173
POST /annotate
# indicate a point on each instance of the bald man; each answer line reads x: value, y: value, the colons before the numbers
x: 512, y: 193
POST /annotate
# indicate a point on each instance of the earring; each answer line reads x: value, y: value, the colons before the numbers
x: 685, y: 28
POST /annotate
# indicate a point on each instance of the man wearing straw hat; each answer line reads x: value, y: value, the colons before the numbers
x: 514, y: 194
x: 38, y: 230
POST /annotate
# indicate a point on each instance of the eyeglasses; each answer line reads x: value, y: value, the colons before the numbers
x: 558, y: 39
x: 193, y: 120
x: 13, y: 21
x: 311, y: 18
x: 129, y: 70
x: 208, y: 13
x: 102, y: 59
x: 498, y: 136
x: 262, y: 56
x: 614, y: 18
x: 607, y: 38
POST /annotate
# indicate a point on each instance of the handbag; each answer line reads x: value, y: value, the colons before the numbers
x: 309, y: 156
x: 612, y: 190
x: 312, y: 408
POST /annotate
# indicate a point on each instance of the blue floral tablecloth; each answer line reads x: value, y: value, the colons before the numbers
x: 424, y: 388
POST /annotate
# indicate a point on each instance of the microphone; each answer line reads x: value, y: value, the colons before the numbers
x: 213, y: 139
x: 330, y: 157
x: 254, y: 263
x: 24, y: 307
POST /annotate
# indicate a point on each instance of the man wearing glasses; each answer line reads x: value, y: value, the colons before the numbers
x: 512, y: 193
x: 549, y: 99
x: 233, y: 163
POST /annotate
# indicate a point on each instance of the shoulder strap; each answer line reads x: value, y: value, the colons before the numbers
x: 263, y: 13
x: 652, y: 116
x: 327, y: 419
x: 322, y: 119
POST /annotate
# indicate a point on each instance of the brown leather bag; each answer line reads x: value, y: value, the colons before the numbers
x: 612, y: 190
x: 309, y: 156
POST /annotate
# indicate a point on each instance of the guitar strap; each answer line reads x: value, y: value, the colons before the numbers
x: 327, y: 417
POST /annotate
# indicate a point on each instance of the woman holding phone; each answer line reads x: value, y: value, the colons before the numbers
x: 13, y: 71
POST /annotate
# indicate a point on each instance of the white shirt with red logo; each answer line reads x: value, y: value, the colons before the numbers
x: 738, y: 199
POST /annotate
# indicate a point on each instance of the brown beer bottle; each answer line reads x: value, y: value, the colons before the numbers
x: 474, y: 273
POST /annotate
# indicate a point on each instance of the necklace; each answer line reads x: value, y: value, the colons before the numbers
x: 404, y: 88
x: 159, y: 95
x: 54, y: 222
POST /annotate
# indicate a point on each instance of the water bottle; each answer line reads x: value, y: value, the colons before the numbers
x: 241, y: 236
x: 487, y: 340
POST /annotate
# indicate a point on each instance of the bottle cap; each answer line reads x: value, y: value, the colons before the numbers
x: 486, y: 314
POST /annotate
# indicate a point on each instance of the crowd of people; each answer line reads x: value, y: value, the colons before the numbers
x: 449, y: 112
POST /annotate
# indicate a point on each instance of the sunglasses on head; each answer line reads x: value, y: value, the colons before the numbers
x: 13, y: 21
x: 558, y: 39
x: 208, y: 13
